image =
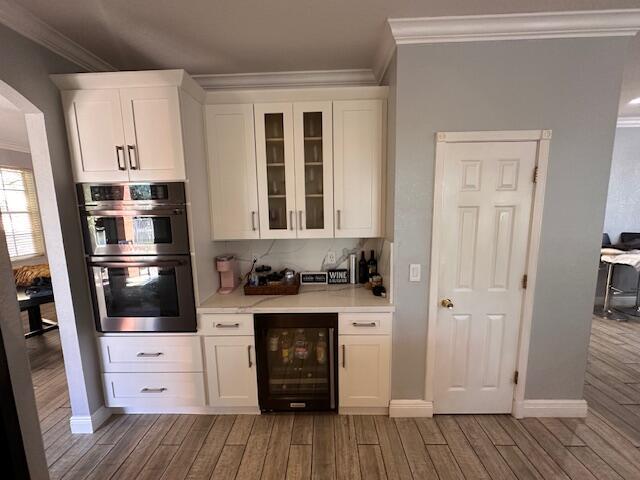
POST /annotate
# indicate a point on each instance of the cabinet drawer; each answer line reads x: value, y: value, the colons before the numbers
x: 225, y: 324
x: 151, y: 354
x: 364, y: 324
x: 153, y: 389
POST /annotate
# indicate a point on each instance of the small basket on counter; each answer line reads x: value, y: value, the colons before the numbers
x: 282, y: 287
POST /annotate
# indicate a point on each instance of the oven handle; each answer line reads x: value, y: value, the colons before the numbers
x: 150, y: 263
x: 152, y: 212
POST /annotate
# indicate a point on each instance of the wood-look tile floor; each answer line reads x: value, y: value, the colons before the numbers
x: 602, y: 446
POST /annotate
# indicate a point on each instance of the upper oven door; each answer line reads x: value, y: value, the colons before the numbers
x: 143, y: 294
x: 135, y: 231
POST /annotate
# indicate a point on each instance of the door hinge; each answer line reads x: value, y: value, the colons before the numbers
x: 515, y: 377
x: 535, y: 175
x: 525, y: 281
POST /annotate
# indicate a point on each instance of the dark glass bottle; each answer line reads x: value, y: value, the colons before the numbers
x: 363, y: 269
x: 372, y: 265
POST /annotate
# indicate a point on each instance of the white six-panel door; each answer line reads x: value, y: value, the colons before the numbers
x: 484, y: 231
x: 232, y: 172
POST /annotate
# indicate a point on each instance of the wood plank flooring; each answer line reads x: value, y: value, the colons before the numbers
x: 602, y: 446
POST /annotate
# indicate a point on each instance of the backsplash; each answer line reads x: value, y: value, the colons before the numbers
x: 298, y: 254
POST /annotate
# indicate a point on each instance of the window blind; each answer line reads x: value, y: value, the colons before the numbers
x: 20, y: 215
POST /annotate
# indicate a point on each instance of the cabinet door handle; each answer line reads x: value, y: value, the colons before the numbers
x: 120, y: 157
x: 249, y: 356
x: 300, y: 223
x: 131, y: 150
x: 291, y: 226
x: 338, y: 219
x: 227, y: 325
x: 253, y: 220
x: 153, y: 390
x: 149, y: 354
x: 363, y: 324
x: 344, y: 356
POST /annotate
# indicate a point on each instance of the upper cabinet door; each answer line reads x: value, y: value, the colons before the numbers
x: 232, y: 172
x: 96, y: 136
x: 153, y: 132
x: 313, y: 142
x: 358, y: 167
x: 276, y: 170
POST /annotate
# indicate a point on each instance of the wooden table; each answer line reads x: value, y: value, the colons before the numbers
x: 37, y: 324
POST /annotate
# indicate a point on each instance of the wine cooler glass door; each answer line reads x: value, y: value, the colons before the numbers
x: 298, y: 369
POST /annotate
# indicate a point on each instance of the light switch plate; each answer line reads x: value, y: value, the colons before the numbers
x: 331, y: 258
x: 414, y: 272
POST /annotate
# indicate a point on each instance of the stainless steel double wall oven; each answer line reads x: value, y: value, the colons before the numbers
x: 137, y: 244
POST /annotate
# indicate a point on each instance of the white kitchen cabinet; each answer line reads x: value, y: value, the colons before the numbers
x: 364, y: 372
x: 152, y: 129
x: 276, y: 169
x: 231, y: 371
x: 96, y: 135
x: 232, y: 172
x: 125, y: 134
x: 358, y: 152
x: 313, y: 147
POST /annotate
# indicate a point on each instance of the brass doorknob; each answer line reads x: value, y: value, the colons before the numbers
x: 446, y: 303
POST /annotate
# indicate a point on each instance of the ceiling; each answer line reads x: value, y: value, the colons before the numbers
x: 242, y: 36
x: 13, y: 129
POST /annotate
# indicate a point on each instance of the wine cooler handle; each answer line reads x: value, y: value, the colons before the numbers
x: 249, y: 356
x: 344, y: 356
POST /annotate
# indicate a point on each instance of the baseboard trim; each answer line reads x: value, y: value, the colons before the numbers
x: 196, y: 410
x: 89, y: 423
x: 363, y: 411
x: 550, y: 408
x: 410, y: 408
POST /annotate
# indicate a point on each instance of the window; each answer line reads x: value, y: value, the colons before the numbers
x: 20, y: 215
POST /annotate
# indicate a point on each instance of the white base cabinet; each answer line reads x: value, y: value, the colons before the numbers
x: 231, y: 371
x: 364, y: 360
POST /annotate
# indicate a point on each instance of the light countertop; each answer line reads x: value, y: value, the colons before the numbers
x: 312, y: 298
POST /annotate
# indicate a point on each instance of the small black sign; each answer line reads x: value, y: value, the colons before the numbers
x: 340, y: 275
x: 307, y: 278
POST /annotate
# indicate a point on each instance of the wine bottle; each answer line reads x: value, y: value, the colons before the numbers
x: 372, y: 265
x: 363, y: 270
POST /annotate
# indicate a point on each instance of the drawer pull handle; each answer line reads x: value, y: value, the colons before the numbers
x: 149, y: 354
x: 227, y: 325
x: 153, y: 390
x: 362, y: 324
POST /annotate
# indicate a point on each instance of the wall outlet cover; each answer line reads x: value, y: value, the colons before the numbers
x: 331, y: 258
x: 414, y: 272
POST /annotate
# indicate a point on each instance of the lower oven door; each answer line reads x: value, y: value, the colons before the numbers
x: 143, y: 294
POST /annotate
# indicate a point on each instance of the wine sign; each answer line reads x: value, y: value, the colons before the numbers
x: 313, y: 278
x: 340, y: 275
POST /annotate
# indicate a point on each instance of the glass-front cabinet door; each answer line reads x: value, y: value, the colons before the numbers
x: 314, y: 169
x: 276, y: 169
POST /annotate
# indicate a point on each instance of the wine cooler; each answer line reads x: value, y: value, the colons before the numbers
x: 297, y: 361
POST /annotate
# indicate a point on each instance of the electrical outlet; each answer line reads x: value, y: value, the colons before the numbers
x: 331, y: 257
x: 414, y: 272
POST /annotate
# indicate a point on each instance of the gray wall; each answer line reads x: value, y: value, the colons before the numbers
x: 26, y: 66
x: 571, y: 86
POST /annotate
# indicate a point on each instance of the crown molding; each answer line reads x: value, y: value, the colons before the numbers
x: 15, y: 147
x: 28, y: 25
x: 384, y: 54
x: 628, y: 122
x: 515, y: 26
x: 306, y: 78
